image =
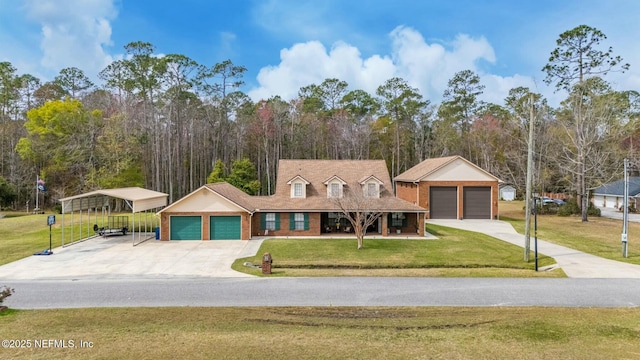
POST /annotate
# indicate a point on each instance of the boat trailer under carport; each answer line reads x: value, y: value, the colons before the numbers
x: 141, y: 202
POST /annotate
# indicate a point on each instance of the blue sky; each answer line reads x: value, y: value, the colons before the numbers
x: 289, y: 44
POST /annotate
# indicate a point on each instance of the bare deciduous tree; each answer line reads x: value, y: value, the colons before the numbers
x: 361, y: 210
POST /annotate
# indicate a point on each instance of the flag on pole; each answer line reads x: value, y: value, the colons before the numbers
x: 40, y: 185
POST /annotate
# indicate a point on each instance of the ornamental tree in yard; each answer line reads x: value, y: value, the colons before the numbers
x: 361, y: 211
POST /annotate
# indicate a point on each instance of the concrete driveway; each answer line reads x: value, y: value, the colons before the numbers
x: 115, y: 258
x: 615, y: 214
x: 575, y: 264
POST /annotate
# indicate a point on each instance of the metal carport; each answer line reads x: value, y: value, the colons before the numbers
x: 137, y: 199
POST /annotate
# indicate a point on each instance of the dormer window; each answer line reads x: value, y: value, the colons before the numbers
x: 335, y: 190
x: 372, y: 190
x: 371, y: 186
x: 298, y: 187
x: 335, y: 187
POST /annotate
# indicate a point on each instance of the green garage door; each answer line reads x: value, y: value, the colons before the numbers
x: 186, y: 228
x: 224, y: 227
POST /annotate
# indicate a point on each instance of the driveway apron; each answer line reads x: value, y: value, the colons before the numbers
x: 116, y: 258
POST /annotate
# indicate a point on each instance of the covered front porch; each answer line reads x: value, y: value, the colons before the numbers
x: 390, y: 223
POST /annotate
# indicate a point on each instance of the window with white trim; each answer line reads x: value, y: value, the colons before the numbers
x: 297, y: 189
x: 372, y: 190
x: 270, y: 221
x: 335, y: 190
x: 299, y: 221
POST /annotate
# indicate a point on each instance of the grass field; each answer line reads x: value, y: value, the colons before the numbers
x: 336, y: 332
x: 599, y: 236
x: 326, y: 333
x: 456, y: 253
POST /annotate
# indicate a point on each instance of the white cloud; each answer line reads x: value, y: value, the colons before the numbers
x: 309, y: 63
x: 425, y: 66
x: 74, y: 33
x: 430, y: 66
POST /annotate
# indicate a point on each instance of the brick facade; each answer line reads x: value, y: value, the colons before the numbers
x: 419, y: 194
x: 314, y: 226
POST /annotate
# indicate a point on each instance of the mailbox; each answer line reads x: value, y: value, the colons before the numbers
x: 266, y: 263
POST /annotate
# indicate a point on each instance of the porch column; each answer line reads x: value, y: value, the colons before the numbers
x: 385, y: 225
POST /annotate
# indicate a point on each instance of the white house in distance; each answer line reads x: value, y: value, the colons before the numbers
x: 611, y: 195
x: 507, y: 193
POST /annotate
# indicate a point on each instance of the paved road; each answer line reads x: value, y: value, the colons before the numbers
x: 356, y: 291
x: 610, y: 284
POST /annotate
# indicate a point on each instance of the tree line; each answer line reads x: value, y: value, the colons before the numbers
x: 165, y: 122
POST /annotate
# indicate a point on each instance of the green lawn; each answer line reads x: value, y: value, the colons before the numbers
x: 455, y: 253
x: 599, y: 236
x: 326, y: 333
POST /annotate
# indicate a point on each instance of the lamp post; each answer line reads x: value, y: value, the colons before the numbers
x: 535, y: 227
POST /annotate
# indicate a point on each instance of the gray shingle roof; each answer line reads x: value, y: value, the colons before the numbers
x: 617, y: 187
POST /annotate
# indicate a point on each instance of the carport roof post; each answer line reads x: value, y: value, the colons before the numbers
x: 137, y: 199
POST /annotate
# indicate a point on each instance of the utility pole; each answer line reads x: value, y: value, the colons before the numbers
x: 527, y: 216
x: 625, y: 213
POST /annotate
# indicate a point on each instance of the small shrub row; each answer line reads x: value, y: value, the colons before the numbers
x: 571, y: 208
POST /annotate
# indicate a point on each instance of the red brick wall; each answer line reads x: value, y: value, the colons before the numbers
x: 407, y: 191
x: 314, y: 226
x: 421, y: 197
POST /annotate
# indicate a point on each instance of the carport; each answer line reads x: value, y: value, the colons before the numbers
x: 89, y: 210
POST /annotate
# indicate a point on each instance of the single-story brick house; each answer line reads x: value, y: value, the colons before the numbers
x: 611, y: 195
x: 308, y: 201
x: 450, y: 188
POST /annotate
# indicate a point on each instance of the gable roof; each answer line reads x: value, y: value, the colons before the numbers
x: 223, y: 189
x: 298, y: 177
x: 617, y: 187
x: 334, y: 177
x: 233, y: 194
x: 431, y: 166
x: 367, y: 178
x: 316, y: 172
